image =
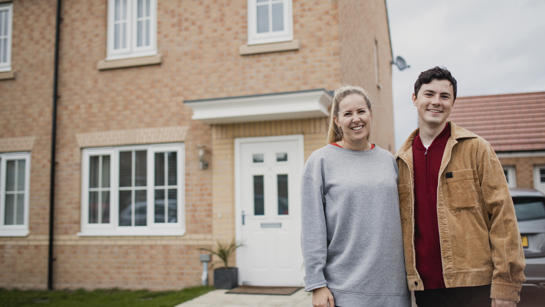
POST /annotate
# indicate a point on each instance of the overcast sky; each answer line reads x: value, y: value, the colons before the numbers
x: 490, y: 46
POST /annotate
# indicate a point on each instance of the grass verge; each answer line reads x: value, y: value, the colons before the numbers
x: 103, y: 298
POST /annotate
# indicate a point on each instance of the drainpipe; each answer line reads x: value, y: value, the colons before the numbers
x: 50, y: 258
x: 389, y: 32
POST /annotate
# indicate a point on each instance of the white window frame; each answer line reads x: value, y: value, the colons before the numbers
x: 511, y: 176
x: 269, y: 37
x: 6, y: 66
x: 538, y: 184
x: 112, y: 228
x: 14, y: 230
x: 132, y: 50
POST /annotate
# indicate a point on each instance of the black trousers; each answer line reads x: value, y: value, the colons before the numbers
x: 455, y: 297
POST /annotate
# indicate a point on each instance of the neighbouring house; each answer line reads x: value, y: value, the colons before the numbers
x: 514, y: 124
x: 178, y: 124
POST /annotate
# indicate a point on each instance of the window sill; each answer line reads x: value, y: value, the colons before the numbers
x: 132, y: 232
x: 14, y: 233
x: 267, y: 48
x: 129, y: 62
x: 7, y: 75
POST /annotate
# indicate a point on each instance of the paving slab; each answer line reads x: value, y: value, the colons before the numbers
x: 218, y: 298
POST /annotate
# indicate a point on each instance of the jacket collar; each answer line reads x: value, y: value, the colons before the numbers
x: 456, y: 133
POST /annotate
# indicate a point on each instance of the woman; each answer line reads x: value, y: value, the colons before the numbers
x: 351, y: 234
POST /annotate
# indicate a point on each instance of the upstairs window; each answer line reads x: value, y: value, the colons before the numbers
x: 14, y: 193
x: 269, y: 21
x: 5, y: 36
x: 132, y: 28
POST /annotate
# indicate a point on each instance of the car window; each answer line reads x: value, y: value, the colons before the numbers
x: 529, y: 208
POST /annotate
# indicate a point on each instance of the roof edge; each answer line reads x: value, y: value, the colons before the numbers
x: 498, y: 95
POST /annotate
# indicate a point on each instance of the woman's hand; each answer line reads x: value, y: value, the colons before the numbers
x: 322, y: 297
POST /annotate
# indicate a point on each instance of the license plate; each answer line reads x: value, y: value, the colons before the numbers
x: 524, y: 241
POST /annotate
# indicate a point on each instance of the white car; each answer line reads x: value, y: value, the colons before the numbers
x: 530, y: 211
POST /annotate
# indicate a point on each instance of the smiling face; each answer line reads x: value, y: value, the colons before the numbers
x: 354, y: 120
x: 434, y: 103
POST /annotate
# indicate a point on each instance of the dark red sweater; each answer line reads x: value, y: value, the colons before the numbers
x: 426, y: 237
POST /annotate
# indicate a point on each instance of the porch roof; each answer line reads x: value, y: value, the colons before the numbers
x: 263, y: 107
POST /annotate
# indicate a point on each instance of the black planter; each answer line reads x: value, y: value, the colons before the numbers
x: 225, y: 278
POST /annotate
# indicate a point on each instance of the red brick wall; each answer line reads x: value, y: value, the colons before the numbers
x: 524, y: 169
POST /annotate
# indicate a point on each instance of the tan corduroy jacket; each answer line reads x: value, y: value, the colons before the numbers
x: 479, y: 236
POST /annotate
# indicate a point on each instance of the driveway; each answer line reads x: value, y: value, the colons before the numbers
x: 218, y: 298
x: 531, y: 297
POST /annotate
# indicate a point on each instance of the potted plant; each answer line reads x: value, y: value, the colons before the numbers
x: 225, y: 277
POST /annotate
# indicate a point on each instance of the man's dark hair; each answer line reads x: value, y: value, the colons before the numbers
x: 436, y: 73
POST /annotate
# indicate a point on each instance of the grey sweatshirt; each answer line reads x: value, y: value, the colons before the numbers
x: 351, y: 232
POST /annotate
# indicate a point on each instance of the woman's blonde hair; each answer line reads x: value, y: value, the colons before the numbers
x: 335, y: 134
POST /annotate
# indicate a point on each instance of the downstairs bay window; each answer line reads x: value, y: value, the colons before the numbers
x: 133, y: 190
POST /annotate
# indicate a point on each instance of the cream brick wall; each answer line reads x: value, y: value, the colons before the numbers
x: 361, y: 23
x: 199, y: 44
x: 200, y: 59
x: 25, y: 125
x: 129, y: 263
x: 24, y: 266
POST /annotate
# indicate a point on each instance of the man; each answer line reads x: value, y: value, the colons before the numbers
x: 460, y: 234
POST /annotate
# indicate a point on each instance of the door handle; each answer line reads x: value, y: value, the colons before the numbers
x: 243, y: 217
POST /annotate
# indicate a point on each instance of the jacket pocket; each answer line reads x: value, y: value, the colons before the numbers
x: 461, y: 191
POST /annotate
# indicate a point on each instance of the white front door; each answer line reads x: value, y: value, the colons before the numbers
x: 269, y: 210
x: 539, y: 178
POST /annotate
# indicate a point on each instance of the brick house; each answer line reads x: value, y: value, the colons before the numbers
x: 514, y: 124
x: 179, y: 124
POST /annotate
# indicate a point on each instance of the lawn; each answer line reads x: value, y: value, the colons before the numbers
x: 112, y: 297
